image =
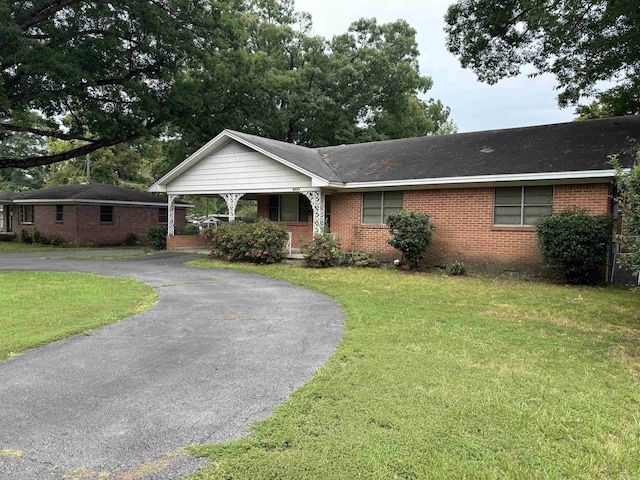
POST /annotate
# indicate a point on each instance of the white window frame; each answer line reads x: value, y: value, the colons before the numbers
x: 300, y: 218
x: 522, y: 205
x: 384, y: 210
x: 23, y: 215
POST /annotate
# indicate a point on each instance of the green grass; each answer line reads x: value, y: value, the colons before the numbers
x: 448, y: 377
x: 41, y: 307
x: 25, y: 247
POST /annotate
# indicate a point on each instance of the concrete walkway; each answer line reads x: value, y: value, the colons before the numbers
x: 218, y: 351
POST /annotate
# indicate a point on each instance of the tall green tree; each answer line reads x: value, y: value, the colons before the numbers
x: 129, y: 165
x: 183, y: 70
x: 289, y: 85
x: 582, y: 42
x: 116, y: 67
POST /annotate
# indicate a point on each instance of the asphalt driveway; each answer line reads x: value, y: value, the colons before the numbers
x: 218, y: 351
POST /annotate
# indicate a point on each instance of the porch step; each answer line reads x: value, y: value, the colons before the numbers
x: 292, y: 256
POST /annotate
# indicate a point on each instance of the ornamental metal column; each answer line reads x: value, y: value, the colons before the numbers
x: 231, y: 199
x: 317, y: 200
x: 171, y: 216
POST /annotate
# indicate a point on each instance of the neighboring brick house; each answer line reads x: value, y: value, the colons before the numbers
x: 482, y: 190
x: 87, y: 214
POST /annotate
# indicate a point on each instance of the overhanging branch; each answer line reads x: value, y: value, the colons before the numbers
x: 60, y: 157
x: 43, y: 133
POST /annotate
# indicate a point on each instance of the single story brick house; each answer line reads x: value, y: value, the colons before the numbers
x: 87, y: 214
x: 482, y: 190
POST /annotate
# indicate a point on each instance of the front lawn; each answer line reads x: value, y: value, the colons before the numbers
x: 41, y: 307
x: 446, y: 377
x: 25, y: 247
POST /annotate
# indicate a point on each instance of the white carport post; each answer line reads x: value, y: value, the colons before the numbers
x: 231, y: 199
x: 317, y: 200
x: 171, y: 215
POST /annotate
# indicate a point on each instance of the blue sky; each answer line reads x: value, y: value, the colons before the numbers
x: 514, y: 102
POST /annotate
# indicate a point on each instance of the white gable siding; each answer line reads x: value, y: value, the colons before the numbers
x: 237, y: 168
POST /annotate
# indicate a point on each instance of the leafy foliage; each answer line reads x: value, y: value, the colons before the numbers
x: 629, y: 199
x: 157, y: 237
x: 322, y: 251
x: 185, y: 70
x: 411, y: 233
x: 35, y: 236
x: 456, y: 268
x: 116, y: 69
x: 576, y: 244
x: 362, y: 260
x: 581, y: 42
x: 259, y: 242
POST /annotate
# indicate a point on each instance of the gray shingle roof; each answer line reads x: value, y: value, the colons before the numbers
x: 575, y: 146
x: 87, y: 192
x: 306, y: 158
x: 563, y: 147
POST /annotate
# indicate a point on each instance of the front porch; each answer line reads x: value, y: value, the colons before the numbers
x: 198, y: 244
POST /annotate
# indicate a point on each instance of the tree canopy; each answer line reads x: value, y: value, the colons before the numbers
x: 114, y: 68
x: 77, y: 77
x: 591, y: 46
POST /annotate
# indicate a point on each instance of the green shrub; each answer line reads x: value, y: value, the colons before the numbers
x: 191, y: 229
x: 25, y: 237
x: 131, y: 240
x: 361, y: 259
x: 411, y: 233
x: 157, y: 237
x: 629, y: 199
x: 456, y: 268
x: 38, y: 237
x: 322, y: 251
x: 575, y: 244
x: 260, y: 242
x: 57, y: 241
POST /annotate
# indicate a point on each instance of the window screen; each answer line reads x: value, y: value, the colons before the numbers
x: 522, y: 205
x: 377, y: 206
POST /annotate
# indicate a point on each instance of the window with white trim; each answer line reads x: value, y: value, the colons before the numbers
x: 522, y: 206
x: 377, y: 206
x: 289, y: 208
x: 26, y: 214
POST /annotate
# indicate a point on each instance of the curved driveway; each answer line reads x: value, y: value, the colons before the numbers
x: 218, y: 351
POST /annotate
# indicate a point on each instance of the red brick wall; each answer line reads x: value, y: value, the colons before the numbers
x: 81, y: 223
x: 464, y: 225
x: 186, y: 241
x: 595, y: 197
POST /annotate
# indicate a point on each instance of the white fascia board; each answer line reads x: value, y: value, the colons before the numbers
x: 316, y: 180
x: 487, y: 179
x: 213, y: 144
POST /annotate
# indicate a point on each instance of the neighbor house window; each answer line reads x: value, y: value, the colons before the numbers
x: 26, y: 213
x: 377, y: 206
x: 106, y: 214
x: 59, y: 213
x: 289, y: 208
x: 522, y: 205
x: 163, y: 215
